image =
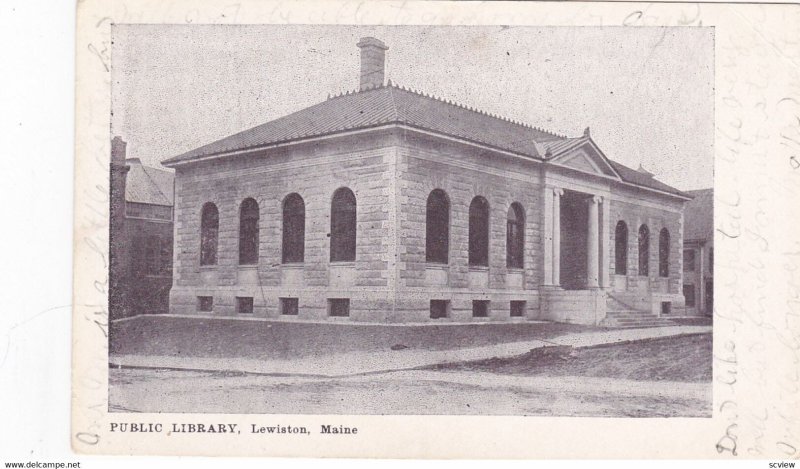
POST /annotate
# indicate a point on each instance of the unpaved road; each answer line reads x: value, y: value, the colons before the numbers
x: 404, y: 392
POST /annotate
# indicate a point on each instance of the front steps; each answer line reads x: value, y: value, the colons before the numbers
x: 632, y: 319
x: 622, y: 313
x: 600, y: 308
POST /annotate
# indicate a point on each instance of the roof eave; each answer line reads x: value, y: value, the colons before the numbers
x: 677, y: 195
x: 180, y: 161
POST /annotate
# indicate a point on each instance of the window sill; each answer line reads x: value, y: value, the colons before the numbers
x: 343, y: 263
x: 209, y: 267
x: 247, y: 266
x: 437, y: 265
x: 478, y: 268
x: 515, y: 270
x: 292, y: 265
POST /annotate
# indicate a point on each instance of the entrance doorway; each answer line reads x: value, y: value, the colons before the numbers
x: 574, y: 233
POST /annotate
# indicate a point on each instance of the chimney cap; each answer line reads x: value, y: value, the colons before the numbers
x: 369, y: 41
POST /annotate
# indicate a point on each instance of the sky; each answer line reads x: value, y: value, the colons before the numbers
x: 646, y: 93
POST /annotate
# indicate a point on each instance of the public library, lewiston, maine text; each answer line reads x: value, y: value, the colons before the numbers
x: 226, y: 428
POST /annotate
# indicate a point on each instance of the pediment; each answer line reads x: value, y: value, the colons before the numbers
x: 587, y: 159
x: 580, y: 162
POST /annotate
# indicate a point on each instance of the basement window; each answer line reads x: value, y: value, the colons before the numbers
x: 290, y: 306
x: 244, y: 304
x: 666, y: 307
x: 517, y: 309
x: 339, y: 307
x: 205, y: 304
x: 439, y: 309
x: 480, y: 309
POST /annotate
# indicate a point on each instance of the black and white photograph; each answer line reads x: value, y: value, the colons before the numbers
x: 411, y: 220
x: 374, y: 233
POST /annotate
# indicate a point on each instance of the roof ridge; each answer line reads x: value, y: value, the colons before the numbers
x: 476, y: 110
x: 396, y: 115
x: 349, y: 92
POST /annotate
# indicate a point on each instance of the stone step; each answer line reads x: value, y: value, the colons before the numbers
x: 630, y: 314
x: 635, y: 326
x: 638, y: 326
x: 638, y: 323
x: 628, y: 319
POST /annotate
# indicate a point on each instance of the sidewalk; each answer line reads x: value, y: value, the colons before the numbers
x: 355, y: 363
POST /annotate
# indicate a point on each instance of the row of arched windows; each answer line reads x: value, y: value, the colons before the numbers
x: 621, y: 250
x: 437, y: 231
x: 343, y: 229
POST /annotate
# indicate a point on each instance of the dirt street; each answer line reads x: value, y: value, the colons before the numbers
x: 405, y: 392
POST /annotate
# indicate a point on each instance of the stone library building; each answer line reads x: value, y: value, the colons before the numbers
x: 389, y: 205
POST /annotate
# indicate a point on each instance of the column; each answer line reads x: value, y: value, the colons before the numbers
x: 605, y: 244
x: 557, y: 193
x: 548, y: 236
x: 700, y: 305
x: 592, y: 243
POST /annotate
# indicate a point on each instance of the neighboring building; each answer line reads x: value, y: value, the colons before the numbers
x: 698, y: 253
x: 141, y: 236
x: 389, y: 205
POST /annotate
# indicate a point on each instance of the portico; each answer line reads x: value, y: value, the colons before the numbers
x: 575, y: 240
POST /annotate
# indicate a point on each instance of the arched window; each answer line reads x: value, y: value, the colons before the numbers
x: 479, y: 232
x: 209, y: 233
x: 437, y: 227
x: 515, y: 236
x: 644, y: 250
x: 343, y: 226
x: 663, y: 253
x: 248, y: 232
x: 621, y: 248
x: 294, y: 229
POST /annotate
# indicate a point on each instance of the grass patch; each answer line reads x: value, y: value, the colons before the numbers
x: 204, y: 337
x: 683, y: 358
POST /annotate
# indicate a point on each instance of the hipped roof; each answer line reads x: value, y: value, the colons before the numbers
x: 392, y: 104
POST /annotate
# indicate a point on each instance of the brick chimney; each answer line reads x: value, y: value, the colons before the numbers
x: 373, y: 56
x: 118, y: 147
x: 118, y: 244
